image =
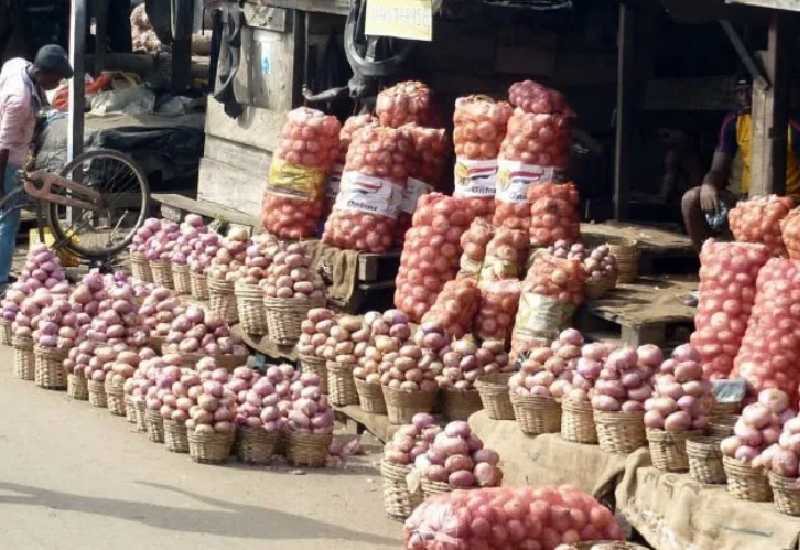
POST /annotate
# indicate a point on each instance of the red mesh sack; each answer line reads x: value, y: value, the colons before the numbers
x: 350, y: 127
x: 499, y: 302
x: 403, y: 103
x: 790, y: 232
x: 758, y: 220
x: 555, y: 213
x: 455, y: 307
x: 534, y: 98
x: 506, y: 255
x: 473, y: 246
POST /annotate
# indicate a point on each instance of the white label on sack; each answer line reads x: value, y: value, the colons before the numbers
x: 414, y: 190
x: 334, y: 181
x: 515, y: 177
x: 542, y: 316
x: 474, y: 178
x: 362, y: 193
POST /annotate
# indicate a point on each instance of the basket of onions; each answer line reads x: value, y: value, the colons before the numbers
x: 77, y: 388
x: 190, y: 232
x: 310, y: 423
x: 158, y: 310
x: 249, y: 296
x: 165, y: 371
x: 195, y: 333
x: 312, y: 343
x: 339, y: 353
x: 257, y: 415
x: 781, y: 461
x: 222, y: 275
x: 158, y: 250
x: 23, y: 357
x: 599, y: 264
x: 178, y: 390
x: 204, y: 250
x: 140, y: 266
x: 121, y: 370
x: 464, y: 362
x: 54, y: 336
x: 210, y: 428
x: 291, y: 289
x: 134, y: 384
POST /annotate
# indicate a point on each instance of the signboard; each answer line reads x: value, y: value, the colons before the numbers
x: 409, y: 19
x: 791, y: 5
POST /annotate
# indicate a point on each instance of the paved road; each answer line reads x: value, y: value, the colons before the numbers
x: 73, y: 477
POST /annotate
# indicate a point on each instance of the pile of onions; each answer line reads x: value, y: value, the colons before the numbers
x: 57, y: 326
x: 215, y: 408
x: 258, y: 257
x: 191, y: 231
x: 781, y: 457
x: 431, y: 337
x: 368, y: 203
x: 290, y: 275
x: 149, y: 227
x: 406, y: 366
x: 308, y: 148
x: 27, y: 319
x: 158, y: 310
x: 457, y: 457
x: 161, y: 374
x: 204, y: 250
x: 624, y: 382
x: 770, y: 349
x: 473, y: 244
x: 523, y: 518
x: 310, y: 411
x: 479, y: 126
x: 759, y: 427
x: 315, y: 330
x: 161, y: 244
x: 230, y: 256
x: 600, y: 264
x: 123, y: 367
x: 341, y: 335
x: 758, y: 220
x: 144, y: 377
x: 455, y: 307
x: 681, y: 399
x: 464, y: 362
x: 102, y: 358
x: 405, y: 102
x: 282, y: 378
x: 385, y: 334
x: 42, y: 269
x: 498, y: 309
x: 197, y: 331
x: 349, y: 128
x: 534, y: 98
x: 257, y: 400
x: 548, y: 370
x: 588, y: 368
x: 431, y: 252
x: 555, y: 214
x: 506, y: 255
x: 114, y: 311
x: 411, y: 441
x: 728, y: 273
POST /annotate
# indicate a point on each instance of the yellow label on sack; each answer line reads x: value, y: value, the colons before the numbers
x: 409, y: 19
x: 294, y: 180
x: 67, y: 258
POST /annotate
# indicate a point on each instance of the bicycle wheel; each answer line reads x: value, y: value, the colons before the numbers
x: 124, y: 201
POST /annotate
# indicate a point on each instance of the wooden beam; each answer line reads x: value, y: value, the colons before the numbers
x: 744, y: 55
x: 623, y: 168
x: 77, y: 96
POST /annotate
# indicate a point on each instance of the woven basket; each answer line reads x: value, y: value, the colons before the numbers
x: 722, y: 426
x: 141, y: 415
x: 786, y: 491
x: 727, y: 409
x: 370, y: 397
x: 222, y: 300
x: 140, y: 268
x: 577, y: 422
x: 398, y: 501
x: 175, y: 437
x: 23, y: 357
x: 626, y: 252
x: 97, y: 394
x: 162, y: 273
x: 601, y: 545
x: 746, y: 482
x: 210, y: 448
x: 48, y: 368
x: 537, y: 415
x: 284, y: 318
x: 77, y: 388
x: 401, y: 405
x: 130, y: 409
x: 668, y: 450
x: 251, y: 310
x: 307, y: 449
x: 230, y: 361
x: 255, y: 445
x: 181, y: 278
x: 5, y: 332
x: 595, y: 288
x: 493, y: 391
x: 316, y: 365
x: 460, y: 404
x: 620, y: 432
x: 199, y: 286
x: 433, y: 488
x: 155, y: 426
x: 705, y: 459
x: 341, y: 384
x: 115, y: 395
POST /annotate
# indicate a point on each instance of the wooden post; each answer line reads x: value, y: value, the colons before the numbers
x: 77, y: 97
x: 182, y: 22
x: 101, y: 34
x: 770, y: 114
x: 625, y: 110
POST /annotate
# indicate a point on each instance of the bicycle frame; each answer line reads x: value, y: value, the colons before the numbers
x: 43, y: 185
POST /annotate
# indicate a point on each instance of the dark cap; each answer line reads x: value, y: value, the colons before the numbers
x: 53, y: 59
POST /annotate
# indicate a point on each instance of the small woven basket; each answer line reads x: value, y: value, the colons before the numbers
x: 402, y: 405
x: 626, y: 252
x: 308, y: 449
x: 370, y: 397
x: 48, y: 368
x: 493, y: 391
x: 460, y: 404
x: 210, y: 447
x: 746, y: 482
x: 595, y: 288
x: 130, y: 409
x: 316, y: 365
x: 255, y: 445
x: 5, y: 332
x: 786, y: 491
x: 341, y: 384
x: 725, y: 409
x: 115, y: 396
x: 140, y: 268
x: 97, y: 394
x: 199, y: 285
x: 181, y: 278
x: 251, y: 310
x: 705, y: 459
x: 77, y: 388
x: 222, y: 300
x: 577, y: 422
x: 537, y: 415
x: 722, y: 426
x: 155, y: 426
x: 620, y: 432
x: 285, y: 316
x: 398, y: 500
x: 175, y: 437
x: 23, y: 357
x: 433, y: 488
x: 162, y: 273
x: 668, y: 449
x: 141, y: 415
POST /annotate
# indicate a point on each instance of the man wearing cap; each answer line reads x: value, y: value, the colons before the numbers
x: 704, y: 208
x: 22, y: 86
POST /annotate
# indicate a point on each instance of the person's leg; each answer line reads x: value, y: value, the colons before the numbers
x: 9, y: 225
x: 693, y: 217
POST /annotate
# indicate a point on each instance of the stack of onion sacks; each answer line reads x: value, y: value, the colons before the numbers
x: 473, y: 244
x: 334, y: 179
x: 506, y: 255
x: 758, y: 220
x: 555, y: 215
x: 790, y: 233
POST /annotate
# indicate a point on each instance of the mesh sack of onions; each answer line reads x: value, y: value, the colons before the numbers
x: 555, y: 213
x: 365, y: 212
x: 293, y: 197
x: 455, y: 307
x: 790, y: 233
x: 498, y: 308
x: 334, y: 179
x: 479, y: 126
x: 405, y: 102
x: 431, y: 252
x: 759, y: 429
x: 769, y: 351
x: 728, y: 273
x: 534, y: 98
x: 506, y: 255
x: 758, y: 220
x: 473, y: 245
x: 525, y: 518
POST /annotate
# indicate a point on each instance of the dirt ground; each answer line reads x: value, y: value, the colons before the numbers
x: 76, y: 477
